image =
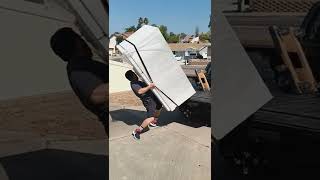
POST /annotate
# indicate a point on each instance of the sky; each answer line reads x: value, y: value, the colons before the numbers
x: 178, y: 15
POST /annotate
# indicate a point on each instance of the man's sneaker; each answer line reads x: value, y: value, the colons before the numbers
x: 136, y: 134
x: 153, y: 124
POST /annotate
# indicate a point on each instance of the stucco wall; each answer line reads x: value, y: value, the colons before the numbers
x: 117, y: 80
x: 28, y: 66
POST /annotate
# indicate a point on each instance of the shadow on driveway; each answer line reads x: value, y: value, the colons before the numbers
x: 136, y: 117
x: 55, y: 164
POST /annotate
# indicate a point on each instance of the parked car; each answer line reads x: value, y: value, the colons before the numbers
x: 178, y: 58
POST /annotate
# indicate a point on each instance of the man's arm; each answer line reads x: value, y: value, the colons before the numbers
x: 90, y: 87
x: 146, y: 89
x: 100, y: 94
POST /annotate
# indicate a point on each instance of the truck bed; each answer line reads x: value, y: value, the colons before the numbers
x: 202, y: 97
x: 199, y: 96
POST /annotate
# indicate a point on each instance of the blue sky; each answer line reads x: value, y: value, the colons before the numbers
x: 178, y: 15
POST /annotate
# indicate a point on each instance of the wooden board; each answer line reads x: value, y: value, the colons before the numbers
x: 294, y: 59
x: 300, y: 105
x: 203, y: 80
x: 301, y: 112
x: 288, y: 121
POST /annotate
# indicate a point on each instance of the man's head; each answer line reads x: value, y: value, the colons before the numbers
x: 67, y: 44
x: 131, y: 76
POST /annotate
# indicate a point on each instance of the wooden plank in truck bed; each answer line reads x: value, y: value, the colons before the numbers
x: 294, y: 111
x: 300, y: 105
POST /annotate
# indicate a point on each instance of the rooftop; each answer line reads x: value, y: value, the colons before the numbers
x: 184, y: 46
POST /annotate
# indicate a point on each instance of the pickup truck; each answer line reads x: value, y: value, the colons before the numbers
x: 199, y: 105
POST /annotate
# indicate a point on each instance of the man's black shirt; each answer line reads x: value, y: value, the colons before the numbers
x: 135, y: 86
x: 84, y: 76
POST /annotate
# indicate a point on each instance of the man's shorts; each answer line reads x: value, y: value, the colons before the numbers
x: 152, y: 105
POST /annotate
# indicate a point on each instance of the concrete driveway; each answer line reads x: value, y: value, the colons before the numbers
x: 176, y: 150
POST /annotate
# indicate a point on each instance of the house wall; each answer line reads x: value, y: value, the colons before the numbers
x: 113, y: 42
x: 28, y: 66
x: 117, y: 80
x: 112, y: 45
x: 110, y: 51
x: 204, y: 52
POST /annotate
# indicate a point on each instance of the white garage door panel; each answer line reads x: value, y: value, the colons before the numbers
x: 28, y: 65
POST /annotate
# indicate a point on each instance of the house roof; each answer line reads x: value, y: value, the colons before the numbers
x: 185, y: 46
x: 195, y: 39
x: 187, y: 38
x: 126, y: 34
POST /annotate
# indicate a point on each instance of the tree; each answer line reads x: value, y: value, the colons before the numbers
x: 146, y: 21
x: 119, y: 39
x: 173, y: 38
x: 115, y: 33
x: 169, y: 37
x: 163, y: 29
x: 182, y: 35
x: 196, y: 31
x: 140, y: 22
x: 131, y: 29
x: 205, y: 37
x: 209, y: 34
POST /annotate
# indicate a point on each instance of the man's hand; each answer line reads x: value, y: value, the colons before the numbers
x: 146, y: 89
x: 151, y: 85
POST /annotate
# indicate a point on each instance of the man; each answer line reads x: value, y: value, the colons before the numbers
x: 149, y: 100
x: 88, y: 78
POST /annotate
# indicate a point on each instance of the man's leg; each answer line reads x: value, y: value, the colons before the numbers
x: 146, y: 122
x: 153, y: 112
x: 154, y: 122
x: 136, y: 133
x: 150, y: 111
x: 103, y: 119
x: 157, y: 112
x: 106, y: 128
